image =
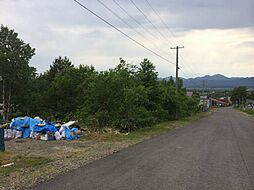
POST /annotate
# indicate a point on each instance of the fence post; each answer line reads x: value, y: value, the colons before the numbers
x: 2, y: 146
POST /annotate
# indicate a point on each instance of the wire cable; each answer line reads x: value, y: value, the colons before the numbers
x: 135, y: 20
x: 129, y: 25
x: 172, y: 34
x: 155, y: 27
x: 120, y: 31
x: 162, y: 21
x: 191, y: 68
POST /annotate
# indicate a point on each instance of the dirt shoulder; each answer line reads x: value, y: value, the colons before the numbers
x: 36, y: 161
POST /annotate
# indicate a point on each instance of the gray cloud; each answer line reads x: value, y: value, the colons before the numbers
x: 247, y: 44
x: 56, y: 28
x: 200, y: 14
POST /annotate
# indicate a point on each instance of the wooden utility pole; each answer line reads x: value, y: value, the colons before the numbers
x: 203, y: 95
x: 177, y: 80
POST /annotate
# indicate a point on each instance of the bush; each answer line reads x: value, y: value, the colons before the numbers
x: 126, y: 98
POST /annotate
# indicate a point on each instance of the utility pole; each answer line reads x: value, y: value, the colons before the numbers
x: 204, y: 95
x: 177, y: 82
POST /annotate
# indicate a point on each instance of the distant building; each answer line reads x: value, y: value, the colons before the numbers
x: 204, y: 103
x: 189, y: 93
x: 217, y: 102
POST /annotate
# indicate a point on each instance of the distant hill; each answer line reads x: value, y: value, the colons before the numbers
x: 218, y: 81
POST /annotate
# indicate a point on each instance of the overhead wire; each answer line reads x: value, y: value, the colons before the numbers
x: 158, y: 15
x: 190, y: 67
x: 188, y: 77
x: 156, y: 28
x: 120, y: 31
x: 138, y: 23
x: 123, y: 33
x: 172, y: 34
x: 129, y: 25
x: 133, y: 18
x: 148, y: 20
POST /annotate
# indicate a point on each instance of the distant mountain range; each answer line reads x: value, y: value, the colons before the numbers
x: 218, y: 81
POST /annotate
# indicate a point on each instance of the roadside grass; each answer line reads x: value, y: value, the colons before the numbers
x: 249, y: 112
x: 144, y: 133
x: 19, y: 162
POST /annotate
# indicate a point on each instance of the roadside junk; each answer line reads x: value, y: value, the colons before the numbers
x: 36, y: 128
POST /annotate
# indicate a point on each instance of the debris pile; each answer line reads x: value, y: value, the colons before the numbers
x: 39, y: 129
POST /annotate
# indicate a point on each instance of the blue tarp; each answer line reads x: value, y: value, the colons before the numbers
x: 27, y: 124
x: 68, y: 132
x: 48, y: 127
x: 19, y: 122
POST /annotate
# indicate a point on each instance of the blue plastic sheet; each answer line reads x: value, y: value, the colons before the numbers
x: 20, y: 122
x: 26, y: 133
x: 48, y: 127
x: 27, y: 124
x: 68, y: 134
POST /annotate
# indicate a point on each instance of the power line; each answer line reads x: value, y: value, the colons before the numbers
x: 132, y: 39
x: 129, y: 25
x: 194, y: 82
x: 137, y: 22
x: 162, y: 21
x: 190, y: 67
x: 135, y: 5
x: 172, y: 34
x: 117, y: 29
x: 134, y: 19
x: 149, y: 4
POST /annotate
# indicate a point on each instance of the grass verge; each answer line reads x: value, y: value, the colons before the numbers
x: 249, y: 112
x: 147, y: 132
x: 19, y: 163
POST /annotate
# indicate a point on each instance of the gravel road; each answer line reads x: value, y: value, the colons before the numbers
x: 214, y: 153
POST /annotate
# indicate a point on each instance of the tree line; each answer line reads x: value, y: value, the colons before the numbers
x: 126, y: 97
x: 239, y: 95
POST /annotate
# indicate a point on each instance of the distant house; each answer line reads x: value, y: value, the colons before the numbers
x: 221, y: 102
x: 249, y: 104
x: 189, y: 93
x: 204, y: 103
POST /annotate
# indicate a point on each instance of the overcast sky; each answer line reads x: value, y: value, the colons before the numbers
x: 218, y: 35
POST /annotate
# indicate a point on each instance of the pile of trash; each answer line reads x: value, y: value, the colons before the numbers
x: 39, y: 129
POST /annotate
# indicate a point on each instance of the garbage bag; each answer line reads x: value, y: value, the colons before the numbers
x: 69, y: 133
x: 57, y: 135
x: 20, y: 122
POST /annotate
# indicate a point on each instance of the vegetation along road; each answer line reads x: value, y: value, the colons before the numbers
x: 213, y: 153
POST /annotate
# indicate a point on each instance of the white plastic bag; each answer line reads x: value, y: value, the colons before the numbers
x: 57, y: 135
x: 18, y: 134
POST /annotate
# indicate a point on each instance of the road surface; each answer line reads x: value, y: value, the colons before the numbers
x: 215, y: 153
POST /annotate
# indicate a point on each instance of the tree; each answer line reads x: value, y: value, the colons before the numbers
x: 14, y: 69
x: 58, y: 66
x: 148, y: 77
x: 67, y: 91
x: 239, y: 95
x: 147, y: 74
x: 126, y: 97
